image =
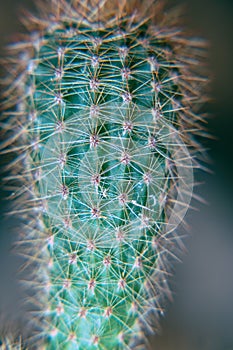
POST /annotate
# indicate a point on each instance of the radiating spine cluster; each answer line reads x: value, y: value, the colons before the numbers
x: 106, y: 112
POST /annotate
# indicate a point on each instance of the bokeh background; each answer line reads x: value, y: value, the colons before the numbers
x: 201, y: 315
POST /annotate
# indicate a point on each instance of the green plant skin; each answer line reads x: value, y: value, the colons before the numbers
x: 100, y: 103
x: 94, y: 178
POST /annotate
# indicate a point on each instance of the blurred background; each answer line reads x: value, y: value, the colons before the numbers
x: 201, y: 315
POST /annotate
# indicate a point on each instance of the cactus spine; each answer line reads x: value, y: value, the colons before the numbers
x: 105, y: 100
x: 10, y: 344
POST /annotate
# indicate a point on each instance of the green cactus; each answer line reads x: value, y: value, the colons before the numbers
x: 104, y: 98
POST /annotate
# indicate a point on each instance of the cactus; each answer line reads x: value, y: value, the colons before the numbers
x: 11, y: 344
x: 101, y: 104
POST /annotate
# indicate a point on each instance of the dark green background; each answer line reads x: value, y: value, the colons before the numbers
x: 201, y: 316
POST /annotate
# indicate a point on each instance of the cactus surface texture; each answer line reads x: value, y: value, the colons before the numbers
x: 101, y: 107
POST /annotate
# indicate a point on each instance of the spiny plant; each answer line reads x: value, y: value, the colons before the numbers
x: 11, y: 344
x: 101, y: 106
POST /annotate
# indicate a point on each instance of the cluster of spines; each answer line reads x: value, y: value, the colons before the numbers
x: 99, y: 103
x: 11, y: 344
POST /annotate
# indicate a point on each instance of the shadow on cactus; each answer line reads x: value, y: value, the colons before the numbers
x: 101, y: 105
